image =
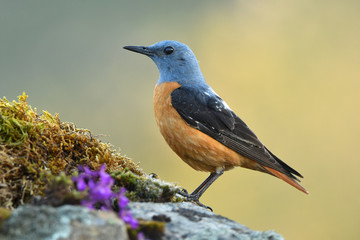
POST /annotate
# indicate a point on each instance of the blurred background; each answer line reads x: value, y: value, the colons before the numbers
x: 289, y: 69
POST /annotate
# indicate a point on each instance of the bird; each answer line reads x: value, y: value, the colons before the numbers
x: 199, y: 126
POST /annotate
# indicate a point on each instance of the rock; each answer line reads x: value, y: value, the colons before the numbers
x: 62, y: 223
x: 188, y: 221
x: 173, y: 220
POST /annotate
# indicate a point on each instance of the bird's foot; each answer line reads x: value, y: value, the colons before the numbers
x: 193, y: 198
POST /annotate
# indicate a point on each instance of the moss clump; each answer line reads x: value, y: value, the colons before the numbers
x: 58, y: 191
x: 39, y: 154
x: 151, y: 230
x: 146, y: 189
x: 35, y: 148
x: 4, y: 214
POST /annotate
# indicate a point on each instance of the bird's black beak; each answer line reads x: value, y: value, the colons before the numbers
x: 140, y: 49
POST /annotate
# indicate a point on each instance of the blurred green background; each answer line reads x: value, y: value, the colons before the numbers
x: 290, y: 69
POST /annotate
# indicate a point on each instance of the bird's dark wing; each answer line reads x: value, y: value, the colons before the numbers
x: 207, y: 112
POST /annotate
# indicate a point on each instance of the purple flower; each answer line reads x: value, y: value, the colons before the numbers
x: 123, y: 212
x: 140, y: 236
x: 80, y: 183
x: 127, y: 218
x: 99, y: 195
x: 106, y: 179
x: 123, y: 201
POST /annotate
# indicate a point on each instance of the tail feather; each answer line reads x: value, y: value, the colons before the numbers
x: 287, y: 179
x: 289, y: 169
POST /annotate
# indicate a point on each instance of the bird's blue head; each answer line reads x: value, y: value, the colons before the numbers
x: 175, y: 61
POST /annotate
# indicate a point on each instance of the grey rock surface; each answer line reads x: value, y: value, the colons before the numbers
x: 188, y: 221
x: 62, y: 223
x: 182, y: 221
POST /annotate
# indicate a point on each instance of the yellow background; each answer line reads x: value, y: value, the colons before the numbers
x: 289, y: 69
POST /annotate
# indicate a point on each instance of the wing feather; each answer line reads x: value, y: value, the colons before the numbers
x: 207, y: 112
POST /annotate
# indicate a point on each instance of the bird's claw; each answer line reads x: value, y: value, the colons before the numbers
x: 193, y: 198
x: 202, y: 205
x: 183, y: 192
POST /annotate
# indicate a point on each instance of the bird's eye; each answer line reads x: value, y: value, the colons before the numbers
x: 168, y: 50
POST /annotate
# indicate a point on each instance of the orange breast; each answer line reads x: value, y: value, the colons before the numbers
x: 197, y: 149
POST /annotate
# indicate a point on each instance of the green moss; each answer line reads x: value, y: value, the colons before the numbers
x: 39, y: 153
x: 146, y: 189
x: 34, y: 147
x: 4, y: 214
x: 151, y: 230
x: 58, y: 190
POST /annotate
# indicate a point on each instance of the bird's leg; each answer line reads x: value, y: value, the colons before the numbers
x: 199, y: 191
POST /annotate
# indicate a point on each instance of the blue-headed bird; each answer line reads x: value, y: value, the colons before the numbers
x: 199, y: 126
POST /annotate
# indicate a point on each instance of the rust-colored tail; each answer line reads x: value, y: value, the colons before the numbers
x: 286, y: 179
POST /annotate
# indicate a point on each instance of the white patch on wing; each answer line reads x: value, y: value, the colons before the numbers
x: 225, y: 105
x: 211, y: 92
x: 208, y: 93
